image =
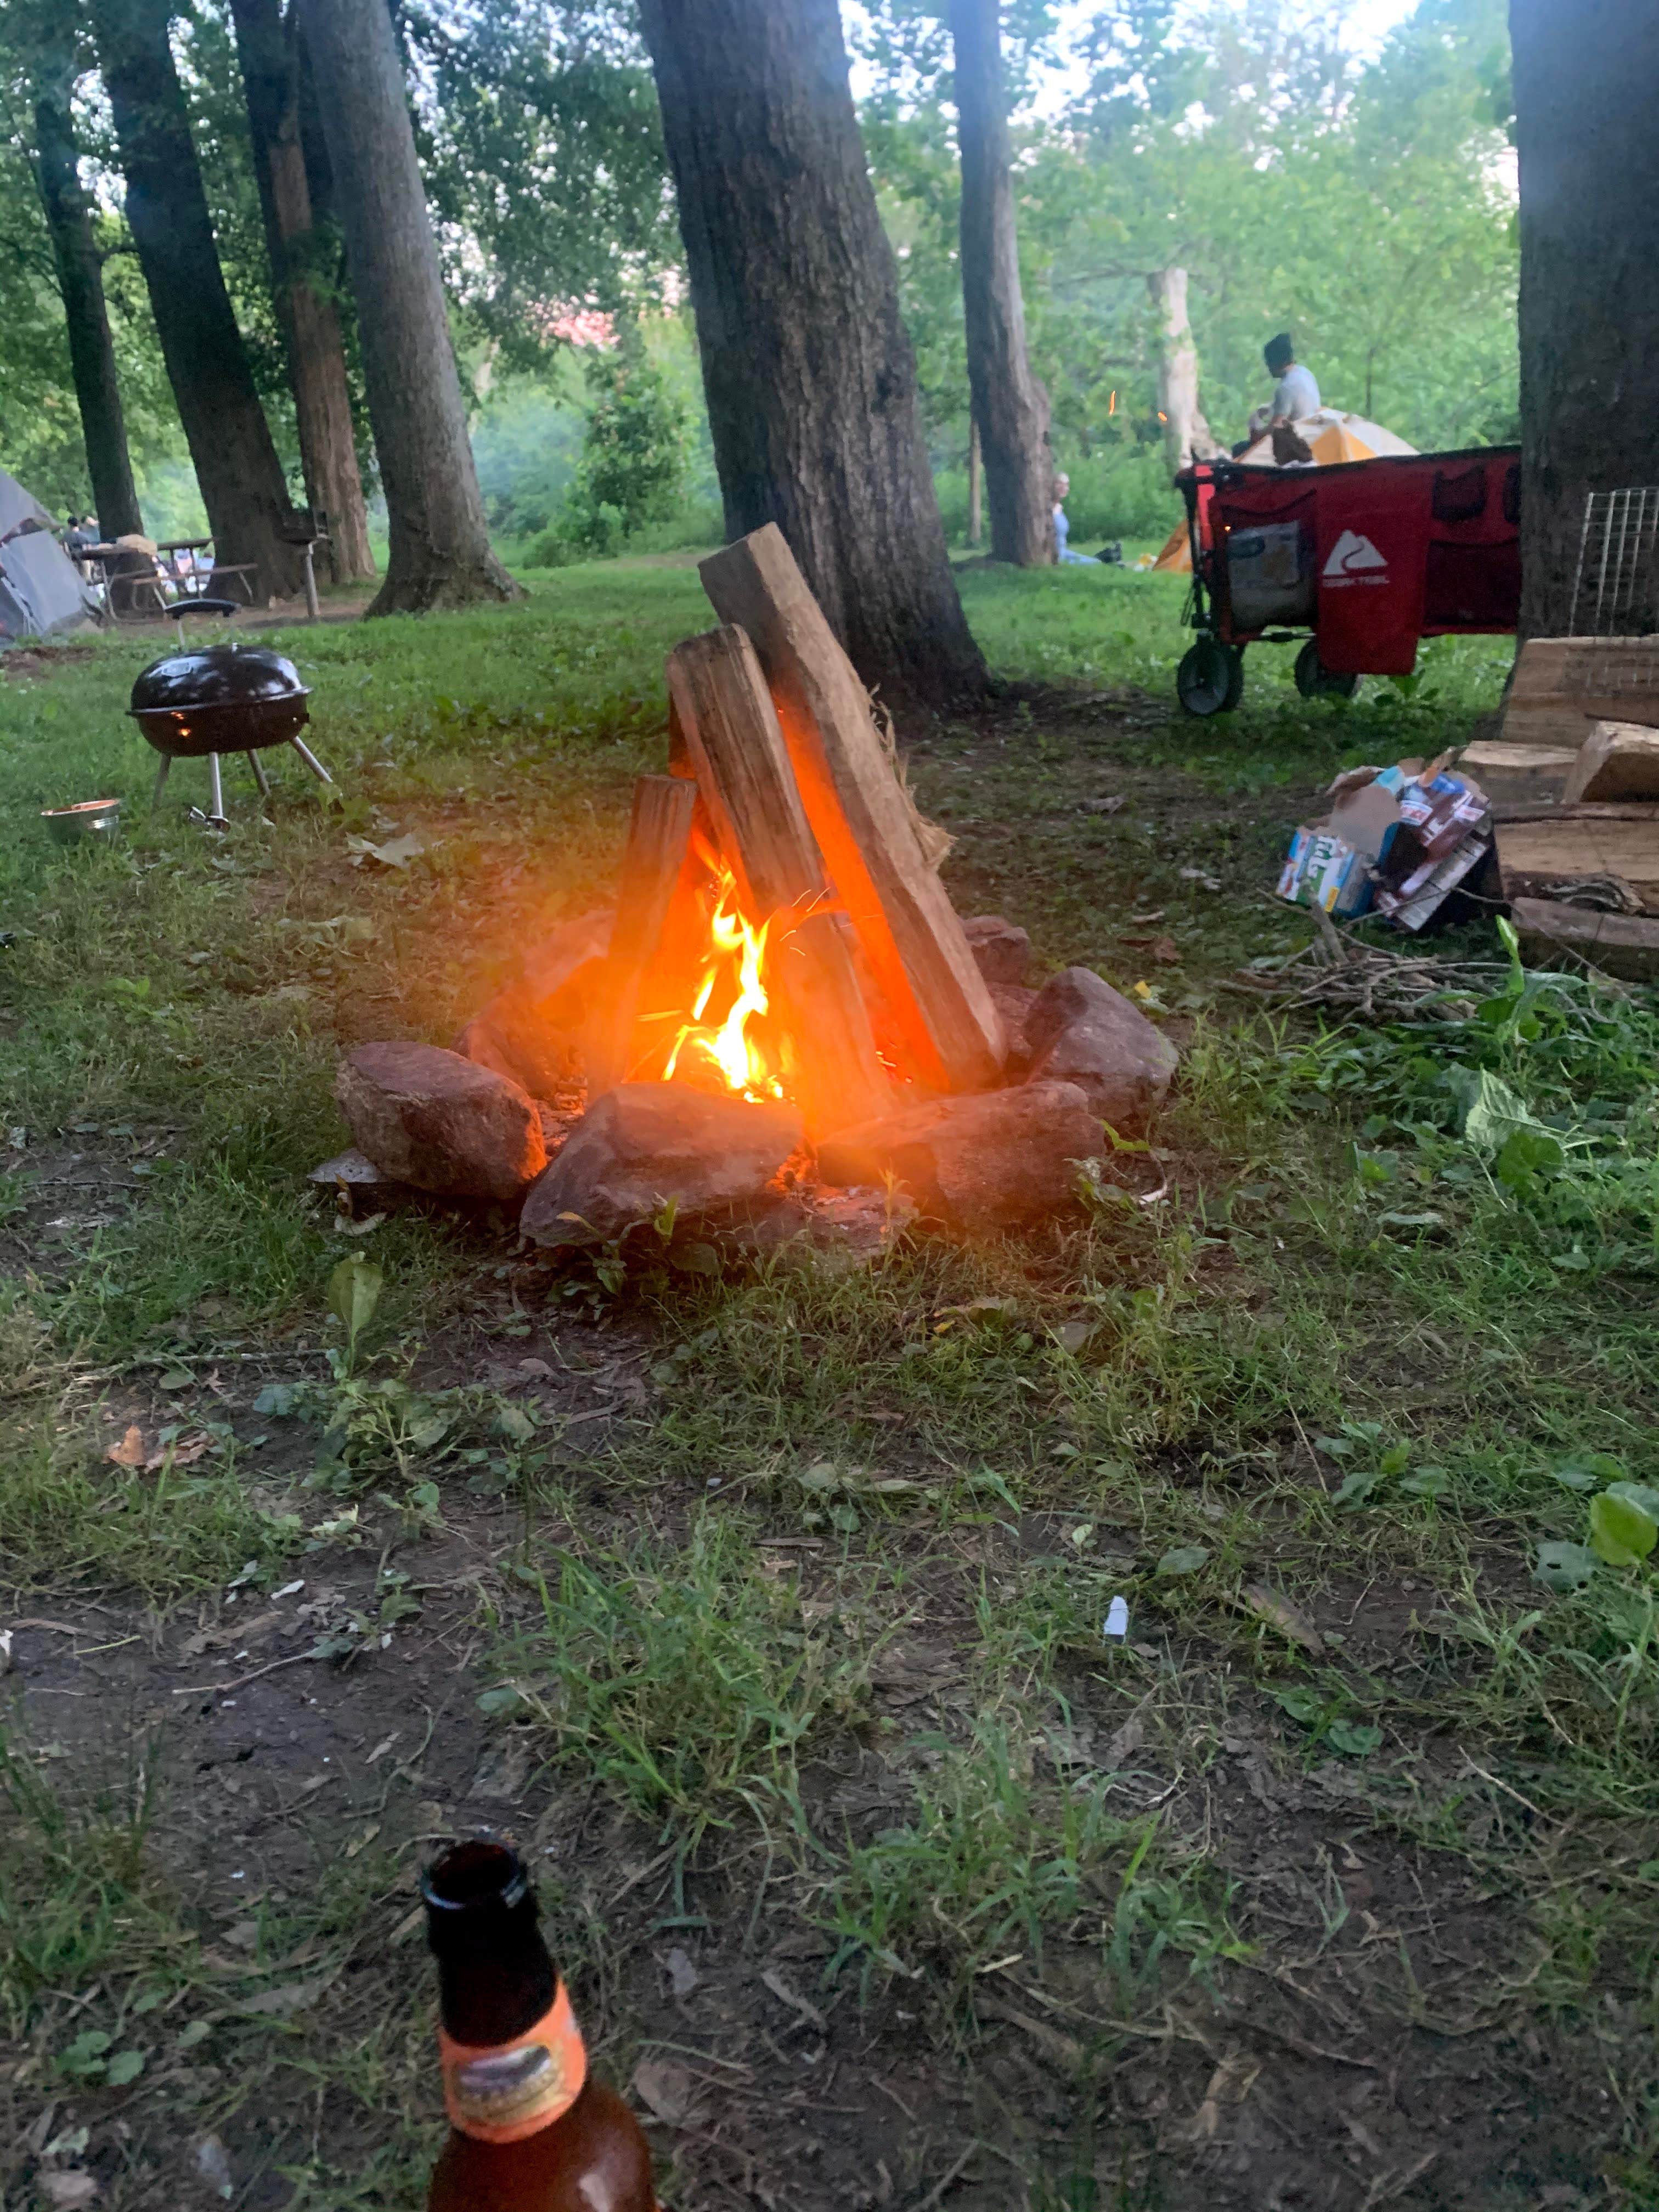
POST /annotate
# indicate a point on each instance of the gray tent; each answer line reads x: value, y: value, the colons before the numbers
x: 41, y: 592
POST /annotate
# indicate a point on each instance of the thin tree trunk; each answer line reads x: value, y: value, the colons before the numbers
x: 80, y: 280
x: 1586, y: 87
x: 976, y: 486
x: 1010, y: 406
x: 440, y: 553
x: 230, y: 444
x: 810, y: 377
x: 269, y: 52
x: 1187, y: 436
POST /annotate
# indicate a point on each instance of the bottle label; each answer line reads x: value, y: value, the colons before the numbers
x: 502, y: 2092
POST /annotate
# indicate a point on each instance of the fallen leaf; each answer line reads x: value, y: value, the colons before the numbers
x: 1280, y: 1613
x: 1166, y: 950
x: 683, y: 1976
x: 129, y: 1452
x: 670, y: 2090
x: 792, y: 1998
x: 185, y: 1455
x: 1105, y: 805
x: 65, y: 2191
x: 395, y: 853
x: 292, y: 1996
x: 1183, y: 1559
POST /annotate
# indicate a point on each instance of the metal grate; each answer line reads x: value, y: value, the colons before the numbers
x: 1615, y: 595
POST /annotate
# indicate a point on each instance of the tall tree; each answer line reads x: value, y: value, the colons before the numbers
x: 80, y: 272
x: 236, y: 465
x: 810, y: 377
x: 1586, y: 80
x: 267, y: 47
x: 1186, y: 434
x: 440, y: 554
x: 1010, y: 407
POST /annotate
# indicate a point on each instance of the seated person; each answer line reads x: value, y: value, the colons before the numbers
x: 1295, y: 394
x: 1063, y: 529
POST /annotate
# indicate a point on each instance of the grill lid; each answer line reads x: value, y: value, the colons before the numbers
x: 217, y: 676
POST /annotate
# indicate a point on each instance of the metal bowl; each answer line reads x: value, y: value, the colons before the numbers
x: 93, y: 818
x: 224, y: 699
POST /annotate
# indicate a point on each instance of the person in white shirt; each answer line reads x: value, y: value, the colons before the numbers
x: 1295, y: 394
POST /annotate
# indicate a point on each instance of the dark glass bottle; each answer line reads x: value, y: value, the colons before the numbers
x: 531, y: 2130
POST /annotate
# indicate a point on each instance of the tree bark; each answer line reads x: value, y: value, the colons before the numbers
x: 440, y: 554
x: 976, y: 510
x: 268, y: 49
x: 1186, y: 436
x: 1586, y: 82
x: 81, y: 282
x: 1010, y: 406
x: 230, y: 444
x: 810, y: 377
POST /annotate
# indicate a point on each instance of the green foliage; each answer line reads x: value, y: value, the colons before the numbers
x: 633, y: 458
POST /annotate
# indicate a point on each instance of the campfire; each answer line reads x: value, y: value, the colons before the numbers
x: 783, y: 1004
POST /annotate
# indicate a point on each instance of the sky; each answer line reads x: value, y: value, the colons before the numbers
x: 1365, y: 24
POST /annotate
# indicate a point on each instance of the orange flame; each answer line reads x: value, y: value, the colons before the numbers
x: 727, y: 1049
x: 1112, y: 408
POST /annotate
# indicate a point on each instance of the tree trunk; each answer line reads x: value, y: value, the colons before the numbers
x: 976, y: 510
x: 236, y: 465
x: 1586, y: 83
x: 1186, y: 436
x: 268, y: 50
x: 810, y: 377
x: 440, y: 553
x: 1010, y: 404
x: 80, y: 280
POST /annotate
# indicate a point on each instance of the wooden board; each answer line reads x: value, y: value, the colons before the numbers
x: 654, y: 862
x: 862, y: 818
x: 1556, y: 936
x: 732, y: 737
x: 1533, y: 855
x: 1550, y: 702
x: 1617, y: 761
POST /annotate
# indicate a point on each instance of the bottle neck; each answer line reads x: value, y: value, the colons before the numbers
x: 495, y: 1981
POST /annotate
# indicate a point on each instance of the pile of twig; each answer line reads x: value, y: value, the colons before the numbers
x: 1370, y: 982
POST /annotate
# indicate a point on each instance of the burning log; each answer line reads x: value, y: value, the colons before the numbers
x: 653, y: 868
x: 861, y: 816
x: 729, y: 727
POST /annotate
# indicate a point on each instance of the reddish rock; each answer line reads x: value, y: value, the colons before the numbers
x: 530, y: 1033
x: 439, y: 1122
x: 1083, y: 1031
x: 1014, y: 1001
x: 1002, y: 949
x: 992, y: 1159
x: 644, y: 1144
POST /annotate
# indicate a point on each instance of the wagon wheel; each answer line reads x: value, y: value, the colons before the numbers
x: 1211, y: 677
x: 1314, y: 681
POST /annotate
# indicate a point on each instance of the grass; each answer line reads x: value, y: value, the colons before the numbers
x: 802, y: 1664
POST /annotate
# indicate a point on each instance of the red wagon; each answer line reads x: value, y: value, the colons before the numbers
x: 1360, y: 560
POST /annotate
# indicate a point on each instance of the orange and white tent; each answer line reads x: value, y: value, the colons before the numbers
x: 1331, y: 437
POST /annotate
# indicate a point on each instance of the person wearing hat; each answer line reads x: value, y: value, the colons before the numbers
x: 1295, y: 394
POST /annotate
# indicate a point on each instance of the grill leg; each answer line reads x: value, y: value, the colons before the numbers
x: 216, y: 812
x: 161, y: 781
x: 311, y: 760
x: 259, y: 776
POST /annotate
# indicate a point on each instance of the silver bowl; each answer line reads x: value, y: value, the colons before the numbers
x: 92, y: 819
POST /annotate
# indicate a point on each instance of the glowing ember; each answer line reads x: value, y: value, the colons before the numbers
x: 728, y: 1051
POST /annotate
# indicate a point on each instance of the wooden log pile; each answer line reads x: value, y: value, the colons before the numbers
x: 778, y: 760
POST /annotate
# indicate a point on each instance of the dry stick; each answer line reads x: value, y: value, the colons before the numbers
x: 936, y: 2194
x: 205, y: 1689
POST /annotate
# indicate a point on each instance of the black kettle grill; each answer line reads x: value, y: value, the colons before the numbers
x: 222, y: 699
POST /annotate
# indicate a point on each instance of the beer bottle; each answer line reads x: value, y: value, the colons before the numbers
x: 531, y: 2129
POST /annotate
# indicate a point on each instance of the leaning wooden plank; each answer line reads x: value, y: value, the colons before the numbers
x: 861, y: 816
x: 653, y: 863
x: 1534, y: 855
x: 730, y: 728
x: 1556, y: 936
